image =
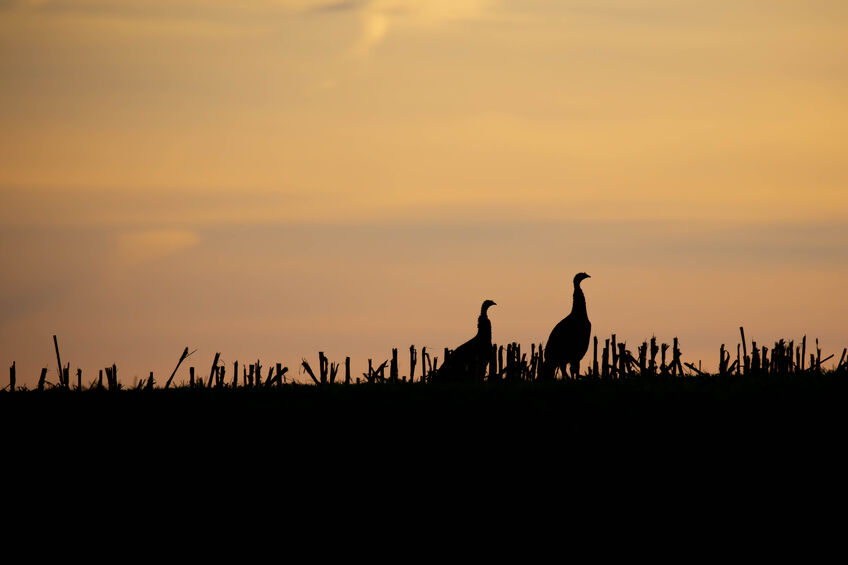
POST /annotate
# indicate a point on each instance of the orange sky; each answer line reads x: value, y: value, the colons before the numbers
x: 273, y: 178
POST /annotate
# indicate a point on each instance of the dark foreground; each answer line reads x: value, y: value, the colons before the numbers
x: 686, y: 445
x: 731, y: 413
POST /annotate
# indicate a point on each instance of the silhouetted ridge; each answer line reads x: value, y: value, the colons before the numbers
x: 569, y: 340
x: 469, y: 360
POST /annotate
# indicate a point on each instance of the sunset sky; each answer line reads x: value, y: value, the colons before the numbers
x: 271, y: 178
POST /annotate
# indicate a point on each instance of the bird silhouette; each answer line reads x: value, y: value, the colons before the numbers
x: 469, y: 360
x: 569, y: 340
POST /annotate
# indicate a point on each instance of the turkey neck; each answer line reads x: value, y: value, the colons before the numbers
x: 484, y: 327
x: 579, y: 305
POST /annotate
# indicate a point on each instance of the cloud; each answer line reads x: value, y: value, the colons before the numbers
x: 339, y: 6
x: 144, y: 246
x: 8, y: 4
x: 378, y: 16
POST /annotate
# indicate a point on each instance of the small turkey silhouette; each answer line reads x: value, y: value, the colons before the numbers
x: 470, y: 360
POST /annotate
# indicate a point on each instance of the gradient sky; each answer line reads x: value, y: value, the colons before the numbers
x: 273, y: 178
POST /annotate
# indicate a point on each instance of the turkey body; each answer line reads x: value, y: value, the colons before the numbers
x: 569, y: 340
x: 469, y: 361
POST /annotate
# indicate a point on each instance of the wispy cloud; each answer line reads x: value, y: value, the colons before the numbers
x: 377, y: 17
x: 338, y: 6
x: 144, y: 246
x: 380, y: 16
